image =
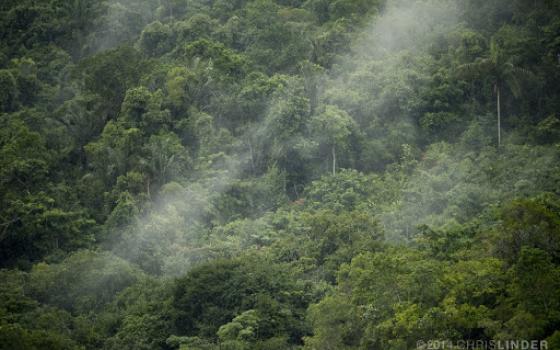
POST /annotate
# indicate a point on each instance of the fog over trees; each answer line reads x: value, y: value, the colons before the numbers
x: 279, y: 174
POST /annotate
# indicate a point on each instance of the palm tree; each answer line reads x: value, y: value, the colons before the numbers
x: 502, y: 71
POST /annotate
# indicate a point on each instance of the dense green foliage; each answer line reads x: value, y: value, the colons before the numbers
x: 278, y: 174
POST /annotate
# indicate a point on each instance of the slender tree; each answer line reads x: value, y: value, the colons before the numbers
x: 500, y: 68
x: 332, y: 128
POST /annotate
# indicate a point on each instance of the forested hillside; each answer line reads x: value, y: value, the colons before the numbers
x: 278, y: 174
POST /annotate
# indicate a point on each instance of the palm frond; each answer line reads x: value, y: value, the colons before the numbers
x: 522, y: 73
x: 495, y: 51
x: 515, y: 86
x: 480, y: 67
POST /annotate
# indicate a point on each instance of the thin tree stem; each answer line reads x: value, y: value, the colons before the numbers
x: 333, y: 160
x: 499, y: 116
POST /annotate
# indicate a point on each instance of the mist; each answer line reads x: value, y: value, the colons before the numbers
x: 278, y: 174
x: 175, y: 233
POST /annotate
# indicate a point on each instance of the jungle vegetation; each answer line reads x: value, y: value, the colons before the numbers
x: 278, y: 174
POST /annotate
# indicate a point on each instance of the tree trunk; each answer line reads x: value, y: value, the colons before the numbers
x: 251, y: 153
x: 499, y: 116
x: 333, y: 161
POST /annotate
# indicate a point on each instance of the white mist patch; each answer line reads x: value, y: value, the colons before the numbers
x: 176, y: 232
x: 123, y: 22
x: 406, y: 25
x: 173, y: 233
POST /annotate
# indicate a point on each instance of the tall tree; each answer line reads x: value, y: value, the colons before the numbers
x: 500, y: 68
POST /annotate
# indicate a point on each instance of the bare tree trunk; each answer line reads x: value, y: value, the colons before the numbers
x: 333, y: 161
x: 154, y: 13
x: 252, y: 157
x: 499, y: 116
